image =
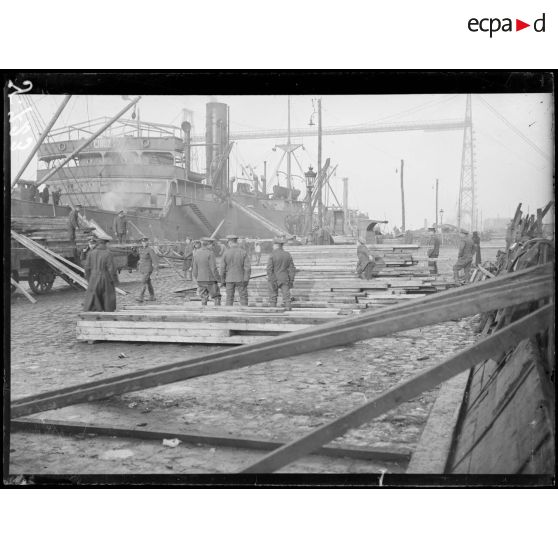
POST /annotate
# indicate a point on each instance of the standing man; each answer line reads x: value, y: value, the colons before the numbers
x: 45, y: 194
x: 73, y: 222
x: 91, y: 245
x: 102, y: 277
x: 280, y: 274
x: 188, y: 257
x: 120, y: 226
x: 56, y: 195
x: 148, y: 261
x: 464, y: 256
x: 235, y: 271
x: 433, y: 250
x: 204, y: 270
x: 476, y: 242
x: 258, y: 252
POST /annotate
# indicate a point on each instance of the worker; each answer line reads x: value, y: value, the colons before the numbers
x: 120, y: 226
x: 476, y: 242
x: 280, y: 274
x: 91, y: 245
x: 101, y: 274
x: 188, y: 256
x: 235, y: 271
x: 73, y: 221
x: 258, y: 252
x: 148, y: 262
x: 464, y: 257
x: 45, y: 194
x: 56, y: 195
x: 365, y: 264
x: 33, y: 192
x: 433, y: 250
x: 205, y: 272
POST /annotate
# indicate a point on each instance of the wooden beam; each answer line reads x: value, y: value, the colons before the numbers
x: 513, y: 288
x: 20, y: 288
x: 45, y: 426
x: 404, y: 391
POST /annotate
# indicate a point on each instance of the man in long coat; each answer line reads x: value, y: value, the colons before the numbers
x: 433, y: 250
x: 235, y: 271
x: 102, y: 276
x: 120, y: 226
x: 476, y: 242
x: 45, y: 194
x: 188, y: 257
x: 280, y: 274
x: 464, y: 256
x: 148, y: 261
x: 206, y: 274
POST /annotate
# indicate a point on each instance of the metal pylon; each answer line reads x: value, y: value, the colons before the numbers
x: 466, y: 207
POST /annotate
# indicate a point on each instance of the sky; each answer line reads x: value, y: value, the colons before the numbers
x: 508, y: 169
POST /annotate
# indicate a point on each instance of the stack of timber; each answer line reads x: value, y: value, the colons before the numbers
x: 194, y: 324
x: 52, y: 232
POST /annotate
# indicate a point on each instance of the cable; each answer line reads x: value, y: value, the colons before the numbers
x: 514, y: 129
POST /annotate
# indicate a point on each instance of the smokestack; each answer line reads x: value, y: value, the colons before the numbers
x: 217, y: 140
x: 186, y: 130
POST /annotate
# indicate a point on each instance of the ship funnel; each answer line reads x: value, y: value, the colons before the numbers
x: 217, y: 142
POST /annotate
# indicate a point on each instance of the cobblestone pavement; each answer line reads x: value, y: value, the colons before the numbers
x: 277, y: 400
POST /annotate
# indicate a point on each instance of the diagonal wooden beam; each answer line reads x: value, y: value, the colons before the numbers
x: 392, y: 398
x: 511, y: 289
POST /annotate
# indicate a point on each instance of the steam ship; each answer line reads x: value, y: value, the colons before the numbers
x: 145, y: 169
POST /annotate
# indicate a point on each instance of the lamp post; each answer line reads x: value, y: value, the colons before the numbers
x: 310, y: 176
x: 441, y: 222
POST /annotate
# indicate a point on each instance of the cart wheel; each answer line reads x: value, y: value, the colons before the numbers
x: 41, y: 279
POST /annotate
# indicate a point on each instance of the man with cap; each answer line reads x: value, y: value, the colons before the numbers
x: 91, y: 245
x: 235, y: 271
x: 148, y: 261
x: 280, y: 274
x: 464, y: 256
x: 73, y: 221
x: 476, y: 243
x: 120, y: 226
x: 102, y: 277
x: 433, y: 249
x: 205, y: 272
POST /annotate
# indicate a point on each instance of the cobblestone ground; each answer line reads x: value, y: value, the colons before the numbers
x: 277, y: 400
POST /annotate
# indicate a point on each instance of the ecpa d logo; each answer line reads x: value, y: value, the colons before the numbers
x: 492, y: 25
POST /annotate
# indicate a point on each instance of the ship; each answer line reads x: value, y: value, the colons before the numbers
x: 145, y: 169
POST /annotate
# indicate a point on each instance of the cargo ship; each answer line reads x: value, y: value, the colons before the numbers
x: 145, y: 169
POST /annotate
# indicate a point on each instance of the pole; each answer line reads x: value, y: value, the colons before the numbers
x: 320, y: 202
x: 90, y: 140
x: 264, y: 182
x: 41, y: 139
x: 289, y: 186
x: 346, y: 204
x: 436, y: 204
x: 402, y: 199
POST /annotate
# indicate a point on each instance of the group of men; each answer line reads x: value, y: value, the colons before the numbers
x: 30, y: 192
x: 233, y: 274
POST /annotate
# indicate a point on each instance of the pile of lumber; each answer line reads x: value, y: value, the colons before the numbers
x: 194, y: 324
x: 51, y: 230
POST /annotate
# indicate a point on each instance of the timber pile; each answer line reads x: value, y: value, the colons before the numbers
x: 51, y: 230
x: 193, y: 324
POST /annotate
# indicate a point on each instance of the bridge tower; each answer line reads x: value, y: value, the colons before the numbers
x: 467, y: 203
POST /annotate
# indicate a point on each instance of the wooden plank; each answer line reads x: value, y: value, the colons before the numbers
x: 521, y: 286
x: 431, y: 454
x: 22, y: 290
x: 392, y: 398
x: 192, y: 340
x: 46, y: 426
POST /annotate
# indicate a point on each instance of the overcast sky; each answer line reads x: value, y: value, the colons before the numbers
x: 508, y: 169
